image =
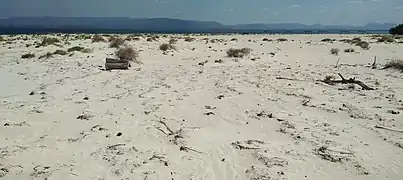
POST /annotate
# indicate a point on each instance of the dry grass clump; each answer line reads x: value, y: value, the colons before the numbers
x: 234, y: 39
x: 1, y: 38
x: 173, y: 41
x: 49, y: 41
x: 152, y: 38
x: 363, y: 44
x: 28, y: 56
x: 189, y: 39
x: 116, y: 43
x: 386, y: 38
x: 282, y: 39
x: 127, y: 53
x: 349, y: 50
x: 328, y: 40
x: 266, y: 39
x: 98, y: 38
x: 395, y: 64
x: 47, y: 55
x: 335, y: 51
x: 75, y: 48
x: 60, y: 52
x: 166, y: 47
x: 238, y: 52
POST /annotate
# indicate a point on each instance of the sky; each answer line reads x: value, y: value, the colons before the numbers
x: 327, y: 12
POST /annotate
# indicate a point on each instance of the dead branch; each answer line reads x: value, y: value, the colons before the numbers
x: 374, y: 63
x: 337, y: 63
x: 186, y: 149
x: 388, y: 128
x: 347, y: 81
x: 166, y: 126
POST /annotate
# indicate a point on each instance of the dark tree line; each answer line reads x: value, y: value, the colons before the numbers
x: 398, y: 30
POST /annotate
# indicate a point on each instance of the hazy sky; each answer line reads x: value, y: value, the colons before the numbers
x: 347, y: 12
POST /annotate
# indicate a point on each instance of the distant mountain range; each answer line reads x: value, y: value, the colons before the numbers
x: 100, y: 24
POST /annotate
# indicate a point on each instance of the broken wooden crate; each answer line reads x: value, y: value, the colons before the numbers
x: 112, y: 63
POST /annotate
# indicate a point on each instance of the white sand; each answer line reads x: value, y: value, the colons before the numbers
x: 41, y: 137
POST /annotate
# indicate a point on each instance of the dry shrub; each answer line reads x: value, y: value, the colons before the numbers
x: 328, y: 40
x: 47, y: 55
x: 335, y: 51
x: 386, y: 38
x: 394, y: 64
x: 266, y: 39
x: 189, y: 39
x: 127, y: 53
x: 1, y: 38
x: 116, y: 43
x: 238, y: 52
x: 173, y: 41
x: 235, y: 39
x: 75, y: 48
x: 60, y: 52
x: 98, y: 38
x: 166, y: 47
x: 282, y: 39
x: 349, y: 50
x: 362, y: 44
x: 49, y: 41
x: 28, y: 55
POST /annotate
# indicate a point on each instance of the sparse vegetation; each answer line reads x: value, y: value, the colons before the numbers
x: 363, y: 44
x: 166, y: 47
x: 386, y: 38
x: 395, y: 64
x: 1, y: 38
x: 47, y: 55
x: 189, y: 39
x: 173, y: 41
x: 127, y: 53
x: 328, y: 40
x: 234, y: 39
x: 75, y: 48
x: 28, y: 56
x: 266, y: 39
x: 98, y: 38
x: 335, y: 51
x: 116, y: 43
x: 238, y: 52
x: 60, y: 52
x: 49, y: 41
x: 349, y: 50
x: 397, y: 30
x: 282, y: 39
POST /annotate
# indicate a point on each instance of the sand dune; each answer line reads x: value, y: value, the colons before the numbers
x: 193, y: 113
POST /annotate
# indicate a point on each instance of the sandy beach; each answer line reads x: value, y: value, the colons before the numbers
x: 195, y: 114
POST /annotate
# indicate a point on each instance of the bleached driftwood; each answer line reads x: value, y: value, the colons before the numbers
x: 116, y: 64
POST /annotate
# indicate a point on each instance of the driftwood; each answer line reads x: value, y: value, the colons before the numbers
x: 388, y: 128
x: 116, y: 64
x: 347, y: 81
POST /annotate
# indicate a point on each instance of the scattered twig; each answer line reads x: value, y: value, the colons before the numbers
x: 186, y: 149
x: 347, y: 81
x: 374, y: 63
x: 337, y: 63
x: 388, y: 128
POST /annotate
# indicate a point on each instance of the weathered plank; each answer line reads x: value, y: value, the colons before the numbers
x: 120, y: 65
x: 112, y: 60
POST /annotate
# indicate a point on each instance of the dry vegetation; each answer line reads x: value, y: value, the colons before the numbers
x: 335, y: 51
x: 189, y: 39
x: 98, y: 38
x: 116, y: 42
x: 386, y: 38
x: 349, y: 50
x: 28, y: 56
x: 127, y: 53
x: 395, y: 64
x: 46, y: 41
x: 166, y: 47
x: 238, y: 52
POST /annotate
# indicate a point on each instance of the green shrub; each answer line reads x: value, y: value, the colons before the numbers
x: 282, y: 39
x: 49, y: 41
x: 397, y: 30
x: 189, y: 39
x: 47, y: 55
x: 335, y: 51
x: 389, y: 39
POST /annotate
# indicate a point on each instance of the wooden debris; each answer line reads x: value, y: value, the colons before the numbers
x: 347, y: 81
x: 388, y: 128
x: 116, y: 64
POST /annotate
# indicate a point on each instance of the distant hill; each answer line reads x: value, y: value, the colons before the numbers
x: 96, y: 24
